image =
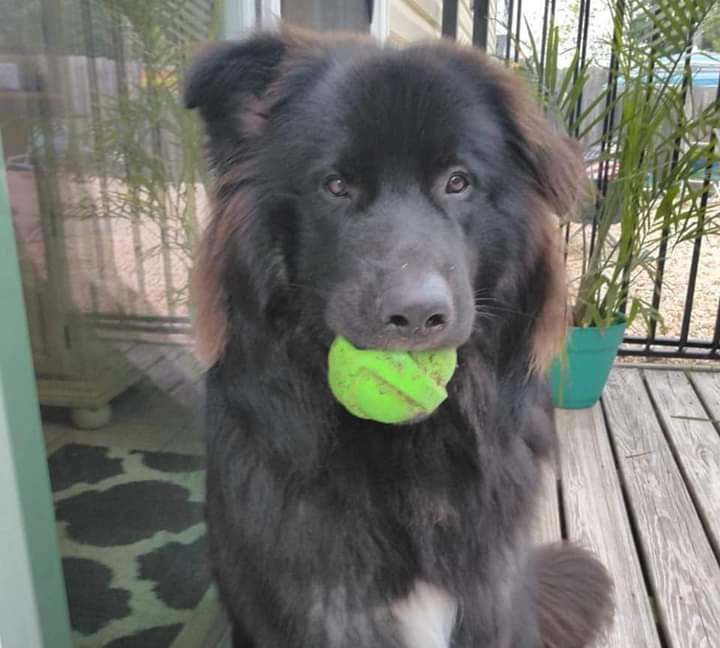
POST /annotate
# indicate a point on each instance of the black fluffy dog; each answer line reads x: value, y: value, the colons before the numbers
x: 403, y: 199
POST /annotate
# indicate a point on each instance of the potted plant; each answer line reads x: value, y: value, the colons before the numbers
x: 648, y: 142
x: 148, y: 145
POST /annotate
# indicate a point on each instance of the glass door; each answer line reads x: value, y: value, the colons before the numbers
x: 33, y: 608
x: 101, y: 498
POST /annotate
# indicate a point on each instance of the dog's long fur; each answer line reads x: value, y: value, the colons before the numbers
x: 326, y: 530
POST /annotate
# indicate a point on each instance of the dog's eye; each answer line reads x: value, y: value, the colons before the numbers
x: 457, y: 183
x: 336, y: 186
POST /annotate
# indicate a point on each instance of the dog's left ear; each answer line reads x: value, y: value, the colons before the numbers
x: 554, y: 167
x: 552, y: 161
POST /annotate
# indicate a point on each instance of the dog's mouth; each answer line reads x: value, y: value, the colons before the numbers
x: 430, y: 319
x: 381, y: 341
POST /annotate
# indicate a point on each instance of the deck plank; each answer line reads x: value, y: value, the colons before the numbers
x: 669, y: 468
x: 546, y: 524
x: 144, y: 356
x: 166, y: 373
x: 596, y: 518
x: 152, y: 401
x: 707, y: 385
x: 683, y: 572
x: 695, y: 442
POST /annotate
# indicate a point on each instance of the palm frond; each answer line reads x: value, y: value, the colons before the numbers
x: 649, y: 142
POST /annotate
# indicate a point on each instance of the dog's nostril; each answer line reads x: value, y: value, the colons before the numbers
x: 398, y: 320
x: 417, y: 306
x: 438, y: 319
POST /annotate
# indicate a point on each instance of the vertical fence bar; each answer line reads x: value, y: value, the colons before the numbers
x: 480, y: 23
x: 548, y: 25
x: 574, y: 125
x: 609, y: 118
x: 518, y: 30
x: 716, y: 334
x: 508, y: 29
x: 578, y: 46
x: 692, y: 277
x: 695, y: 263
x: 450, y: 18
x: 586, y: 27
x: 581, y: 45
x: 660, y: 272
x: 543, y: 46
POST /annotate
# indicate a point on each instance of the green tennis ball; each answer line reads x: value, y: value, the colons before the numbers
x: 389, y: 386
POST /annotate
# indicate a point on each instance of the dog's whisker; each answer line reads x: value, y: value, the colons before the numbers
x: 503, y: 309
x: 489, y: 317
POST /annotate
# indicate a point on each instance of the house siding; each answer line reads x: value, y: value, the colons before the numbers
x: 416, y: 20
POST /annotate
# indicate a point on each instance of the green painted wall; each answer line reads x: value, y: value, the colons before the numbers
x: 33, y: 610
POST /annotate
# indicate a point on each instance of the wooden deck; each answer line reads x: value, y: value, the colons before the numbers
x: 637, y: 480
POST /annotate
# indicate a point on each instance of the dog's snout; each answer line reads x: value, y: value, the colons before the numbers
x: 418, y: 306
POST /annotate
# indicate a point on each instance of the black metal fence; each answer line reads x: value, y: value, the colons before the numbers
x: 513, y: 27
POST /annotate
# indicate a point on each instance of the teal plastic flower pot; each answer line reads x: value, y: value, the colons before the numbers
x: 579, y: 375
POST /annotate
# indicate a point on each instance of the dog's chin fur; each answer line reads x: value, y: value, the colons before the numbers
x: 325, y: 530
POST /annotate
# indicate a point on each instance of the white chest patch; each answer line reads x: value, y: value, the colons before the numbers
x: 426, y: 617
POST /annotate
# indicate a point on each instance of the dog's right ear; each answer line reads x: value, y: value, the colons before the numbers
x: 227, y: 83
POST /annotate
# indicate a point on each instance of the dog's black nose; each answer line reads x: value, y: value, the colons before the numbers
x: 417, y: 306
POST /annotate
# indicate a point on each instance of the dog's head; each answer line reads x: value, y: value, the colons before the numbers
x: 403, y: 199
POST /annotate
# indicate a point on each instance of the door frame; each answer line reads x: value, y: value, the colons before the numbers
x: 238, y: 18
x: 380, y: 23
x: 242, y: 16
x: 33, y: 605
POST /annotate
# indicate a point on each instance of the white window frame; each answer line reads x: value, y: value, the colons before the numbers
x: 380, y: 24
x: 270, y: 13
x: 239, y: 17
x: 242, y: 16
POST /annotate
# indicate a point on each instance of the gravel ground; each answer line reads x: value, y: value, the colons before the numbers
x: 675, y: 284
